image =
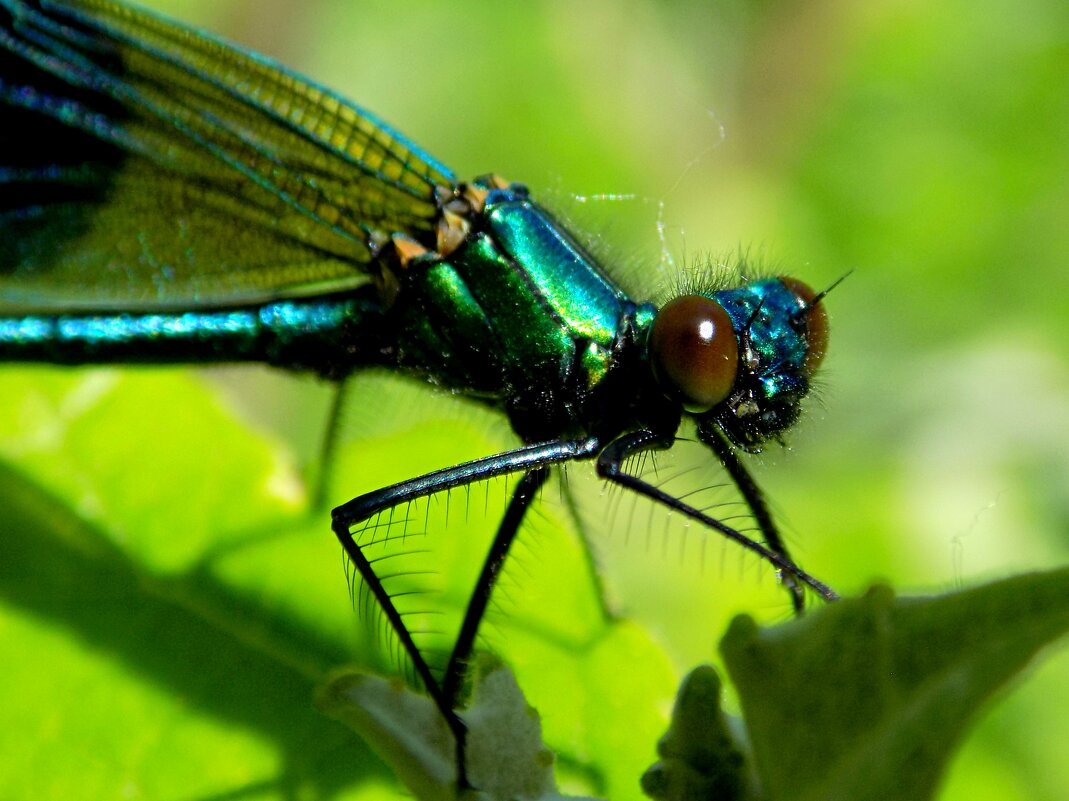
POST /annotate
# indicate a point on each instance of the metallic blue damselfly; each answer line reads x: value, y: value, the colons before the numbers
x: 168, y: 198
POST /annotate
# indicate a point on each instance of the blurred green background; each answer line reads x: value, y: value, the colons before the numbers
x: 169, y: 602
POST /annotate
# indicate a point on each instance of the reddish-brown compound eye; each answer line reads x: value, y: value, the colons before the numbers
x: 816, y: 324
x: 694, y: 352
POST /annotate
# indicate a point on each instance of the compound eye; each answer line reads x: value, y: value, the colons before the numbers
x: 694, y: 352
x: 816, y: 324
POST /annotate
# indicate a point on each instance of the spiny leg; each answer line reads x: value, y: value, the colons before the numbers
x: 394, y: 619
x: 755, y: 499
x: 610, y: 467
x: 532, y: 460
x: 522, y: 498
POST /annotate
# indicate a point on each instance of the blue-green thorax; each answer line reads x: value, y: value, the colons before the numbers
x: 508, y: 306
x: 518, y: 311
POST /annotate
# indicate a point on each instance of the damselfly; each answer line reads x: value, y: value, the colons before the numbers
x: 168, y: 198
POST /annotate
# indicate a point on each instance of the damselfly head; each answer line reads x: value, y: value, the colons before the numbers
x: 741, y: 359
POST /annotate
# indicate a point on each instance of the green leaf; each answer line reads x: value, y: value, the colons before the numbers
x: 151, y: 650
x: 867, y: 698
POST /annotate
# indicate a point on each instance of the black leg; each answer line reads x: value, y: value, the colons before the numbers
x: 532, y: 460
x: 521, y: 500
x: 396, y: 623
x: 610, y: 467
x: 755, y: 499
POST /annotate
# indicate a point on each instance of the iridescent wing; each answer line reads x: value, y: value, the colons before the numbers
x: 144, y: 165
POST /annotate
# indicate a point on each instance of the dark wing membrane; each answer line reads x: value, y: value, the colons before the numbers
x: 144, y: 165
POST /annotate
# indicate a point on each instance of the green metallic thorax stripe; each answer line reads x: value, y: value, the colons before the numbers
x: 438, y: 324
x: 558, y: 270
x: 528, y: 338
